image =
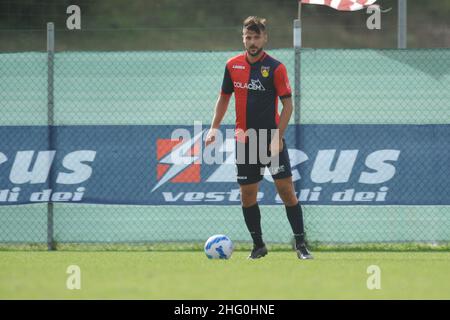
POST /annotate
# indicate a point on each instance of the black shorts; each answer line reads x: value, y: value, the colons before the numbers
x: 249, y: 172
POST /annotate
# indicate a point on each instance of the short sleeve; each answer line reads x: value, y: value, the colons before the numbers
x: 227, y: 83
x: 281, y: 82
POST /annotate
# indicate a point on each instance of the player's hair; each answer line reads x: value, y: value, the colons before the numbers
x: 255, y: 24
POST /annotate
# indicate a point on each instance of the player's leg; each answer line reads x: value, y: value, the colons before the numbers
x: 252, y: 217
x: 250, y: 209
x: 294, y: 213
x: 248, y: 179
x: 282, y: 176
x: 285, y: 189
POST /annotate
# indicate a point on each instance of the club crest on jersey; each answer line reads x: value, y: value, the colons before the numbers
x: 265, y: 71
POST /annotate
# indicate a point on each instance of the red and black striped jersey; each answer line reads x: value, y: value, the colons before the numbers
x: 256, y: 87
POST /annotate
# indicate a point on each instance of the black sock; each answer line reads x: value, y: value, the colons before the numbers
x: 252, y: 218
x: 295, y: 217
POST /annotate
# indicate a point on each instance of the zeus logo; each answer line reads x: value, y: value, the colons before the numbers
x: 254, y: 85
x: 179, y: 164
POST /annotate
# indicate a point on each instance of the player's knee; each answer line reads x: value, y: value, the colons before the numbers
x: 291, y: 201
x: 248, y: 198
x: 248, y: 201
x: 288, y: 196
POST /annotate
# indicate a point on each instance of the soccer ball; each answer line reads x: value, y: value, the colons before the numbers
x: 219, y: 246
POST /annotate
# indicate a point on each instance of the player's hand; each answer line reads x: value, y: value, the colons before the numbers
x: 276, y: 145
x: 210, y: 137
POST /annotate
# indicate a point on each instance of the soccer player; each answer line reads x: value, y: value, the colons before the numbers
x: 258, y: 80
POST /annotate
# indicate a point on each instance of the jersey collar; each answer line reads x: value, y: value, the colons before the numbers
x: 259, y: 60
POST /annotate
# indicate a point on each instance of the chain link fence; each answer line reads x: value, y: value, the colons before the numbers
x: 373, y: 121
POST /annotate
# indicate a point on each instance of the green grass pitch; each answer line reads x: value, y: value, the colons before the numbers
x: 190, y: 275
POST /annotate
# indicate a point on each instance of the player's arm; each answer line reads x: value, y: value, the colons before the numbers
x: 283, y: 88
x: 219, y: 113
x: 285, y: 115
x: 221, y: 106
x: 276, y: 144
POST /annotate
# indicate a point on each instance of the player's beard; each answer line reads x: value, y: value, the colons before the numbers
x: 256, y: 53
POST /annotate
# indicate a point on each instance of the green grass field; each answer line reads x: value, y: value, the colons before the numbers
x: 190, y: 275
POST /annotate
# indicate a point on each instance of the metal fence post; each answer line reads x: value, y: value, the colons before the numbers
x: 297, y: 48
x: 297, y: 75
x: 402, y: 35
x: 50, y: 121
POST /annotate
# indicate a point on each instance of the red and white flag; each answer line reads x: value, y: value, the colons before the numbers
x: 342, y: 5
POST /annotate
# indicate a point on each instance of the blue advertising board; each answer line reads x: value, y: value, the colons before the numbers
x: 144, y: 165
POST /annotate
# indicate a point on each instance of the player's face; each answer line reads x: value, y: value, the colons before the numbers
x: 254, y: 42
